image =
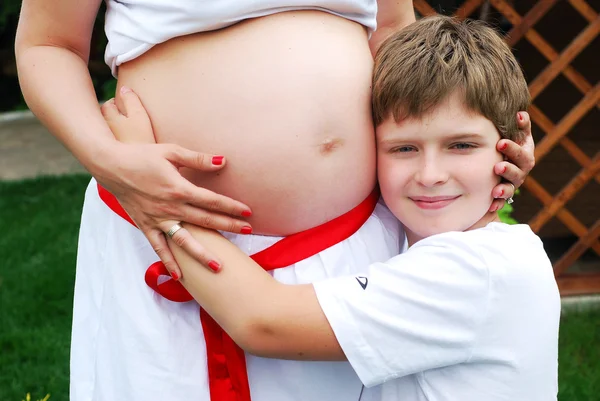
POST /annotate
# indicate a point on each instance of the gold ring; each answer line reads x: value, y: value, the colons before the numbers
x: 173, y: 230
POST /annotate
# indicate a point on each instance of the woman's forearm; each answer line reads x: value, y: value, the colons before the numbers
x: 392, y: 15
x: 58, y: 89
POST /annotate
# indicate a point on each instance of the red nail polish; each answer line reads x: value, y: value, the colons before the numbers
x: 520, y: 116
x: 246, y: 230
x: 246, y: 213
x: 214, y: 266
x: 217, y: 160
x: 503, y: 146
x: 174, y: 276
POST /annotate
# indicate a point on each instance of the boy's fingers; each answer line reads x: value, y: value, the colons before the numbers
x: 109, y: 110
x: 131, y: 103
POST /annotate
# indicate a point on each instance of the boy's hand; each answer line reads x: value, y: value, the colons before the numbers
x: 147, y: 183
x: 520, y: 161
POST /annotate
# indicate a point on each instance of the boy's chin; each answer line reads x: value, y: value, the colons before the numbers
x: 419, y: 234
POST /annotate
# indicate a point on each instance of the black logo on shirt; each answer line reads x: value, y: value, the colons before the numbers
x: 363, y: 281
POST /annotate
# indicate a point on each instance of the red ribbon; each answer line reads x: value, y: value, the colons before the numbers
x: 227, y: 375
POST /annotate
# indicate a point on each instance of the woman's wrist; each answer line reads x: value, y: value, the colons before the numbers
x: 101, y: 157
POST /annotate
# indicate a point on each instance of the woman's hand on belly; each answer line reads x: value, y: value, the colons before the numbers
x: 148, y: 185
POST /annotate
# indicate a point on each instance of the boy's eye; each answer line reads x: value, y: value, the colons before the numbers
x: 403, y: 149
x: 462, y: 146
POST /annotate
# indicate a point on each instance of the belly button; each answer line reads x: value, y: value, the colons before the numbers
x: 329, y: 145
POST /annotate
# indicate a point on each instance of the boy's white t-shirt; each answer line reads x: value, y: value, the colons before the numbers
x: 459, y: 316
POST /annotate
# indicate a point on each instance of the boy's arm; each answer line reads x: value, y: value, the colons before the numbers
x: 398, y: 321
x: 271, y: 319
x: 264, y: 317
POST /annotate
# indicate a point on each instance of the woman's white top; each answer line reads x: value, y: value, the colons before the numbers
x: 460, y: 316
x: 135, y: 26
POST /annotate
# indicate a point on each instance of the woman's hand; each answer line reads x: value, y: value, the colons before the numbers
x: 144, y: 177
x: 520, y: 161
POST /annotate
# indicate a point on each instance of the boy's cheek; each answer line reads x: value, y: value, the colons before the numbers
x: 391, y: 173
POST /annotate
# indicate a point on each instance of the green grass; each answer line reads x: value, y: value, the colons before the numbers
x: 579, y: 356
x: 39, y: 222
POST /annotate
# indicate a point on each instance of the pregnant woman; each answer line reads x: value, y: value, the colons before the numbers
x: 282, y: 90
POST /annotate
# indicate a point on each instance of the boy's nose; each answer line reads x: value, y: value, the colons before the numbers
x: 432, y: 172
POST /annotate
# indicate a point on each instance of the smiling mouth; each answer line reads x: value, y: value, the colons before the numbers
x: 433, y: 202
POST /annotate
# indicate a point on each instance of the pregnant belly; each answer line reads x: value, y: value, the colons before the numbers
x: 285, y: 98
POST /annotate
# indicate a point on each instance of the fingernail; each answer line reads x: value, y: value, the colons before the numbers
x: 246, y: 230
x: 246, y: 213
x: 500, y: 194
x: 214, y: 266
x: 521, y: 118
x: 503, y: 170
x: 217, y: 160
x: 174, y: 276
x: 125, y: 89
x: 503, y: 146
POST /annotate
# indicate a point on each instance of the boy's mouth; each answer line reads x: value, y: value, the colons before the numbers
x: 433, y: 202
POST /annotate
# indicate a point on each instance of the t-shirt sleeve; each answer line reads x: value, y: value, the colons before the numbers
x: 420, y: 310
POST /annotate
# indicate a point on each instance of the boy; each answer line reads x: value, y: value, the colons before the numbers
x: 471, y: 310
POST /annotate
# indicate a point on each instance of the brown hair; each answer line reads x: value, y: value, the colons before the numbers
x: 420, y: 66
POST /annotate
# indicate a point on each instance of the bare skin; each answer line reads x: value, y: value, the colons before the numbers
x: 325, y: 74
x: 304, y: 123
x: 294, y: 327
x: 52, y: 50
x: 130, y: 124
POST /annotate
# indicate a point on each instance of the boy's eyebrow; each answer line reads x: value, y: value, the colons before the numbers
x: 465, y: 136
x: 454, y: 137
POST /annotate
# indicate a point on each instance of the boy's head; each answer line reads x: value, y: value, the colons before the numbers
x: 444, y: 93
x: 420, y: 66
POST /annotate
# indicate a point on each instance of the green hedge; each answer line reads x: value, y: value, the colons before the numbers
x: 12, y: 98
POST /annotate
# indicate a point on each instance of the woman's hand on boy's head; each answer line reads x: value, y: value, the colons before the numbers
x: 520, y: 161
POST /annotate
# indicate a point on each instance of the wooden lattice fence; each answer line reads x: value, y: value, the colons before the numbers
x: 554, y: 135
